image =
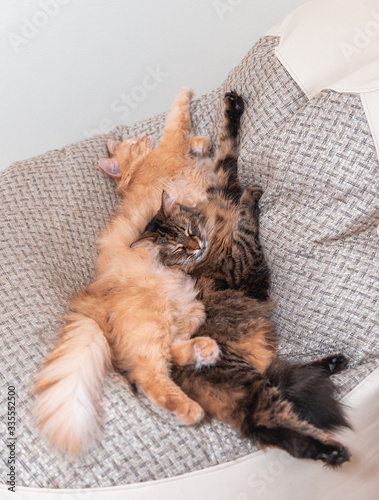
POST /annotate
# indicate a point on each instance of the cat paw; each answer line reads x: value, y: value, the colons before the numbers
x: 253, y: 193
x: 200, y: 147
x: 185, y: 93
x: 332, y: 364
x: 206, y: 351
x: 334, y: 455
x: 234, y: 105
x: 189, y: 413
x: 337, y: 363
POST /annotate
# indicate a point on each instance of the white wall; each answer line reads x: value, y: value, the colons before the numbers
x: 73, y: 68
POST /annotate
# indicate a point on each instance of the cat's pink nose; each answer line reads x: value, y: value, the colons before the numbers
x: 194, y: 243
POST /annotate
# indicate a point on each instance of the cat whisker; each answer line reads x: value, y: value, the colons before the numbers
x: 187, y: 263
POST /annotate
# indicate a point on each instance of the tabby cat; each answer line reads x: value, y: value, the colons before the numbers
x: 273, y: 402
x: 136, y: 310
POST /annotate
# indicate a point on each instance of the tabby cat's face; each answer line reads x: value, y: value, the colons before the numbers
x: 180, y: 236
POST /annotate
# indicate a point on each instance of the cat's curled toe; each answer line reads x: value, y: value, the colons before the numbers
x: 234, y: 105
x: 336, y: 363
x: 334, y: 455
x: 185, y: 93
x: 252, y: 193
x: 206, y: 351
x: 200, y: 147
x: 332, y: 364
x: 189, y: 413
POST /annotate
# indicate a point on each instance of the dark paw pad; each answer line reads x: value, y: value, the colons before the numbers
x: 334, y: 456
x: 336, y: 363
x: 234, y: 105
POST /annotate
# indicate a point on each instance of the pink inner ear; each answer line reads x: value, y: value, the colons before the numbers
x: 110, y: 167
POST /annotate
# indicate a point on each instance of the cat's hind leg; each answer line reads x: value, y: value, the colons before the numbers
x: 331, y: 365
x: 275, y: 422
x: 300, y: 446
x: 141, y: 347
x: 309, y: 389
x: 233, y: 392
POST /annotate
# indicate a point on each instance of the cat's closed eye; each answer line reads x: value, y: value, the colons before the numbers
x: 178, y: 249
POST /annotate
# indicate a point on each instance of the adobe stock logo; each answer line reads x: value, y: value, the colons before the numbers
x: 224, y: 7
x: 362, y: 38
x: 261, y: 479
x: 32, y: 26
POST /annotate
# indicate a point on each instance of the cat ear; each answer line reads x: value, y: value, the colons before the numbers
x: 111, y: 167
x: 111, y: 145
x: 169, y: 204
x: 146, y: 236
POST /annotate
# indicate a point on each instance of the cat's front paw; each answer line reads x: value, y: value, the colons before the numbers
x: 184, y: 94
x: 206, y: 351
x: 252, y: 193
x: 234, y: 105
x: 200, y: 147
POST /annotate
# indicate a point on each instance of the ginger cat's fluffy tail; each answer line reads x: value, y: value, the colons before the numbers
x: 70, y: 384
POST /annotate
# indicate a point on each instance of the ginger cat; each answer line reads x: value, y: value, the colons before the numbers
x: 136, y: 310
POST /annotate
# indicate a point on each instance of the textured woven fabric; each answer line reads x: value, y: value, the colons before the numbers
x: 317, y: 164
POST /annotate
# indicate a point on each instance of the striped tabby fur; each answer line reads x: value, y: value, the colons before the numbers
x: 273, y: 402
